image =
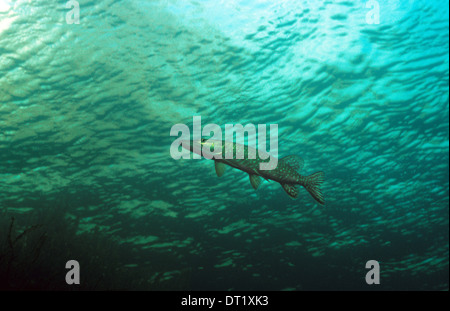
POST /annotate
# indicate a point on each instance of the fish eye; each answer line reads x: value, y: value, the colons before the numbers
x: 203, y: 140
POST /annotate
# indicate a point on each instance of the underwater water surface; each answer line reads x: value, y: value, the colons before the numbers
x: 86, y: 173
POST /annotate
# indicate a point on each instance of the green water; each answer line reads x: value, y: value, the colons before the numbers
x: 86, y: 111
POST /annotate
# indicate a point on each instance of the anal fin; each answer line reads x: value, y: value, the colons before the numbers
x: 292, y: 190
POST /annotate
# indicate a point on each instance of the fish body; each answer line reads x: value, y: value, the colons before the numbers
x: 285, y: 171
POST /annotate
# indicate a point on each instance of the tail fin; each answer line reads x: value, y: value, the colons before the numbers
x: 313, y: 183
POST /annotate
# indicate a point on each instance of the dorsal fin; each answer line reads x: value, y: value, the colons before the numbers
x: 291, y: 189
x: 220, y: 168
x: 293, y: 161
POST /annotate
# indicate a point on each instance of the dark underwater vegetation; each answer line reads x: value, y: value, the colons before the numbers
x: 86, y: 172
x: 29, y: 255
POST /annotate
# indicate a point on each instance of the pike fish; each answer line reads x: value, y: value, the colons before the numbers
x: 286, y: 171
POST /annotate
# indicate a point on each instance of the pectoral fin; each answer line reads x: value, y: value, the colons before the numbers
x: 255, y: 181
x: 220, y: 168
x: 291, y: 189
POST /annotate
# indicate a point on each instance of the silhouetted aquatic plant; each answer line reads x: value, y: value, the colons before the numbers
x: 35, y: 247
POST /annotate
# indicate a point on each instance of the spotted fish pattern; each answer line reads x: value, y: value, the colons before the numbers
x: 286, y: 171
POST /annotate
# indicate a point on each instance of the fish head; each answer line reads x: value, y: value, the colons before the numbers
x: 206, y: 147
x: 194, y: 146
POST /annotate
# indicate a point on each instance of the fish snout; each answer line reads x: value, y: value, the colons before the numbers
x: 193, y: 146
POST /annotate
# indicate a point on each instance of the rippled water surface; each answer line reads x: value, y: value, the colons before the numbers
x: 86, y: 111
